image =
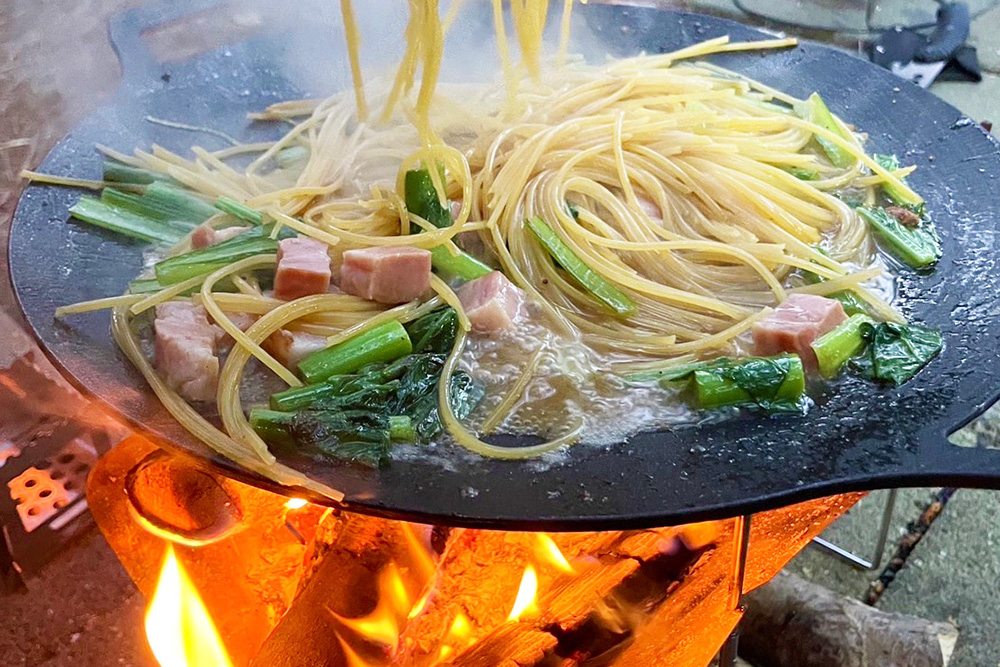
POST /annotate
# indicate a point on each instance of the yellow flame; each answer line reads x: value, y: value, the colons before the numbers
x: 526, y: 593
x: 381, y: 626
x: 550, y: 552
x: 178, y: 628
x: 295, y: 503
x: 422, y: 557
x: 351, y: 657
x: 459, y: 634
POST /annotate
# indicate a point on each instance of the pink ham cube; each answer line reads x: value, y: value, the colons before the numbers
x: 303, y: 269
x: 204, y: 236
x: 386, y: 274
x: 795, y: 324
x: 185, y: 350
x: 491, y: 302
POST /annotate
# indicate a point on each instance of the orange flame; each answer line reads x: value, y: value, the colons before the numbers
x: 552, y: 554
x: 381, y: 626
x: 526, y: 594
x: 459, y: 635
x: 178, y: 628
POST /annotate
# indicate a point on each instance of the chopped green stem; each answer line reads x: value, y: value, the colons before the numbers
x: 818, y: 113
x: 803, y: 174
x: 384, y: 343
x: 272, y: 426
x: 300, y: 398
x: 767, y: 382
x: 422, y: 199
x: 852, y: 303
x: 592, y: 281
x: 144, y: 206
x: 463, y: 265
x: 834, y: 348
x: 255, y: 241
x: 116, y: 172
x: 401, y: 429
x: 99, y: 214
x: 177, y: 203
x: 894, y: 192
x: 918, y: 248
x: 238, y: 210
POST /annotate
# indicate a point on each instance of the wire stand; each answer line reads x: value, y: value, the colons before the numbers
x: 741, y: 534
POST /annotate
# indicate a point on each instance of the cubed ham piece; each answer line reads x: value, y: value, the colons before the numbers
x: 243, y: 321
x: 491, y: 302
x: 204, y: 236
x: 386, y: 274
x: 303, y: 268
x: 185, y: 350
x: 795, y: 324
x: 291, y: 347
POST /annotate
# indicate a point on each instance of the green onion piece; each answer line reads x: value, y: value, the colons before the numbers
x: 144, y: 286
x: 894, y: 192
x: 803, y: 174
x: 918, y: 248
x: 290, y: 157
x: 401, y: 429
x: 773, y: 383
x: 592, y: 281
x: 421, y: 198
x: 834, y: 348
x: 116, y: 172
x: 254, y: 241
x: 300, y: 398
x: 818, y: 113
x: 99, y: 214
x: 272, y: 426
x: 178, y: 203
x: 384, y: 343
x: 238, y: 210
x: 768, y: 106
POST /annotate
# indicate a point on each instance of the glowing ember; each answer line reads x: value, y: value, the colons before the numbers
x: 550, y: 552
x: 178, y: 628
x: 295, y: 503
x: 526, y: 594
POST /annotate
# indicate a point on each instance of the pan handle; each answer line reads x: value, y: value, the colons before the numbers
x: 126, y: 29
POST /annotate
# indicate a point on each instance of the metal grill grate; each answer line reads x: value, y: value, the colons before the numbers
x: 54, y: 486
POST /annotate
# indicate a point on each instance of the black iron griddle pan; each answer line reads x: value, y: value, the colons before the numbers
x: 858, y: 436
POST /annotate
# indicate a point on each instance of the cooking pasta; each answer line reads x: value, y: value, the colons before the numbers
x: 574, y: 252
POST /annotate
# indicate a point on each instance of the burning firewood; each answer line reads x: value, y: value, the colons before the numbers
x: 791, y: 621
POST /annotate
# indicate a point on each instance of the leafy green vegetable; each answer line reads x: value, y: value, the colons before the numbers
x: 892, y: 191
x: 434, y: 332
x: 918, y: 248
x: 422, y: 199
x: 254, y: 241
x: 127, y: 223
x: 177, y: 202
x: 834, y: 348
x: 154, y: 209
x: 356, y: 417
x: 896, y: 352
x: 773, y: 384
x: 238, y: 210
x: 589, y: 279
x: 803, y: 174
x: 116, y: 172
x: 386, y: 342
x: 853, y: 305
x: 816, y: 112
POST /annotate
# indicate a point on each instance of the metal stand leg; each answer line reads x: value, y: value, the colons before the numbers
x: 741, y: 532
x: 855, y: 560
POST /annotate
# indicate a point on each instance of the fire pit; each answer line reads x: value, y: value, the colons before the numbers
x: 278, y: 581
